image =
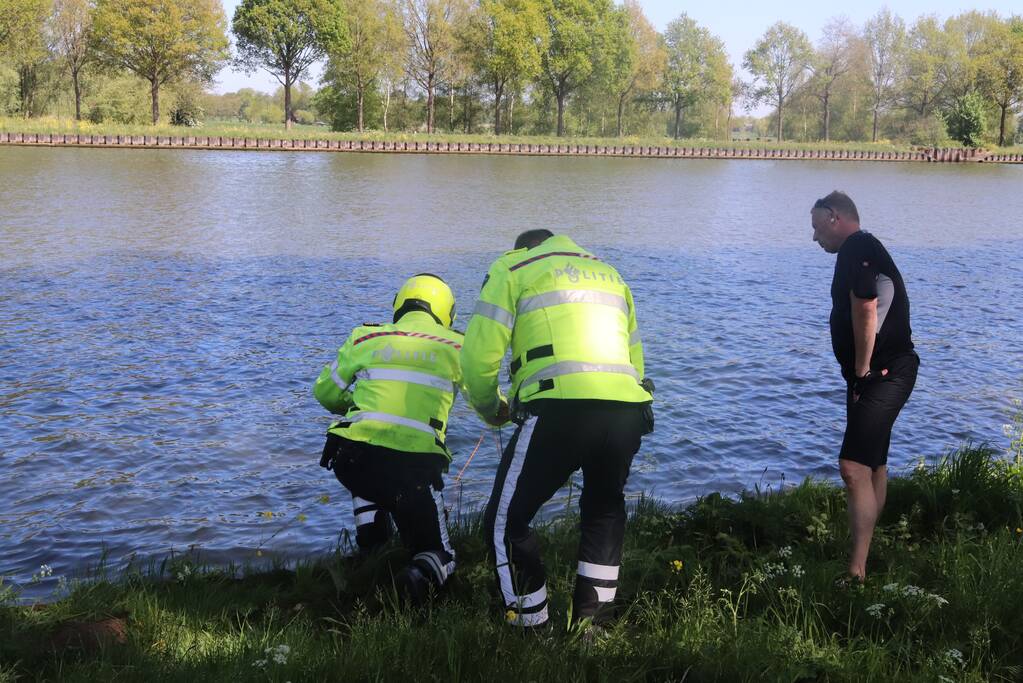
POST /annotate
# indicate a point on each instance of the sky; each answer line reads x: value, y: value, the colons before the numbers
x: 738, y: 24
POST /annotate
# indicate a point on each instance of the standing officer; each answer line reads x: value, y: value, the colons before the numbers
x: 393, y: 386
x: 577, y: 364
x: 872, y: 341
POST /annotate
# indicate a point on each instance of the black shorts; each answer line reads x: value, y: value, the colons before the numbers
x: 869, y: 421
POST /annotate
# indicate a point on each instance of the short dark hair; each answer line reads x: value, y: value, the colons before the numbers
x: 839, y: 202
x: 532, y: 238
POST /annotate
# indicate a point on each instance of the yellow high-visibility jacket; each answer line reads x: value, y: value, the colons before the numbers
x: 571, y: 324
x: 394, y: 384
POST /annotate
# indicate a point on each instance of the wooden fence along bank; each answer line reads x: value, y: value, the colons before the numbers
x: 950, y: 155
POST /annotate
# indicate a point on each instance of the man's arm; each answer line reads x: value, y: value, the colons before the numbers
x: 331, y: 387
x: 486, y: 341
x: 864, y: 324
x: 635, y: 342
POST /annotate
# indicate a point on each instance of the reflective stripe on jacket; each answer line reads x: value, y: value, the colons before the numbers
x: 571, y: 324
x: 394, y: 384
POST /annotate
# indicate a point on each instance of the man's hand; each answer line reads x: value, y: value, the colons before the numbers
x: 861, y: 383
x: 648, y: 385
x: 502, y: 416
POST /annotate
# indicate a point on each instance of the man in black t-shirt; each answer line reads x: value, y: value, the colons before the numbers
x: 872, y: 341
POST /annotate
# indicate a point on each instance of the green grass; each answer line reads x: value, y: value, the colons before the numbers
x: 753, y: 598
x: 304, y: 132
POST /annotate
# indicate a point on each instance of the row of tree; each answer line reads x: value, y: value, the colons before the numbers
x: 584, y: 62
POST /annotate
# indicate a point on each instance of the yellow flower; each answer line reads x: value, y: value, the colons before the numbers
x: 267, y: 514
x: 324, y: 498
x: 301, y: 518
x: 1019, y: 531
x: 676, y: 566
x: 511, y: 615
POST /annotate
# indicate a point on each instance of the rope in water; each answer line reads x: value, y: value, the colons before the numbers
x: 466, y: 465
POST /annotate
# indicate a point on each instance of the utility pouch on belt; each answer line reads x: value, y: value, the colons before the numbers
x: 648, y: 417
x: 519, y: 412
x: 330, y: 449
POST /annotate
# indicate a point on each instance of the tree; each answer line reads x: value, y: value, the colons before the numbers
x: 831, y: 61
x: 71, y: 37
x: 1000, y: 68
x: 162, y: 41
x: 576, y: 36
x: 965, y: 120
x: 431, y: 40
x: 926, y: 76
x: 696, y: 67
x: 779, y: 60
x: 646, y: 58
x: 21, y: 37
x: 506, y: 39
x: 885, y: 34
x: 284, y: 37
x: 357, y: 61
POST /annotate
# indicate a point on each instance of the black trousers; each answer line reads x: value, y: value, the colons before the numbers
x: 386, y: 484
x: 601, y: 438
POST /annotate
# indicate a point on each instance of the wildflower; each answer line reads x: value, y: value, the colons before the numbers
x: 260, y: 663
x: 301, y: 517
x: 676, y: 566
x: 266, y: 515
x: 876, y: 610
x: 45, y: 570
x: 937, y: 600
x: 324, y: 498
x: 890, y: 587
x: 785, y: 552
x: 954, y: 656
x: 511, y: 616
x: 1019, y: 531
x: 797, y: 570
x: 278, y: 654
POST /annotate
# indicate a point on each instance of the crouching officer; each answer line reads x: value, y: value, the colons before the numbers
x: 393, y: 386
x: 580, y: 402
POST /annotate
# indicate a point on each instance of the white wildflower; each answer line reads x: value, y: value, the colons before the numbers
x: 797, y: 570
x: 937, y: 600
x: 785, y: 552
x: 260, y: 663
x: 911, y: 591
x: 954, y: 656
x: 890, y: 587
x: 876, y: 610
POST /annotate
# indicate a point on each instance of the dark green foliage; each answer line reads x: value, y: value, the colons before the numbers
x: 966, y: 120
x: 731, y: 590
x: 337, y: 105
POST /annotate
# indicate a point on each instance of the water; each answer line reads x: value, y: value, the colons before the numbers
x: 163, y: 316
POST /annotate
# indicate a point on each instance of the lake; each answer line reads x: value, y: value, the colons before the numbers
x: 163, y: 315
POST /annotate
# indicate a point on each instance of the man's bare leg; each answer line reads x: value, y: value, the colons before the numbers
x: 879, y: 478
x: 864, y: 508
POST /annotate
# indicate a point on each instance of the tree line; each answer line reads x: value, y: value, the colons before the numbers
x: 582, y: 67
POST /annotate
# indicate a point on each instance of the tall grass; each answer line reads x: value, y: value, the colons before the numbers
x: 724, y: 589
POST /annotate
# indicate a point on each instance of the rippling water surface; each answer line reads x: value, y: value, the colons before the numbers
x: 163, y: 315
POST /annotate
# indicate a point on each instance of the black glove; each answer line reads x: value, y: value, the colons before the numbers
x: 648, y: 385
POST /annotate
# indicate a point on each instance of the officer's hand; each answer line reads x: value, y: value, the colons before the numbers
x: 860, y: 384
x: 502, y: 416
x: 648, y: 385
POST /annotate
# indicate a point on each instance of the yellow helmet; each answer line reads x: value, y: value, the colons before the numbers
x: 426, y: 292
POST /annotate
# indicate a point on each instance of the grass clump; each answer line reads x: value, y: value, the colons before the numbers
x: 724, y: 589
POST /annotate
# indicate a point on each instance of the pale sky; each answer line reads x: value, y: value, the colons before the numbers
x: 738, y: 24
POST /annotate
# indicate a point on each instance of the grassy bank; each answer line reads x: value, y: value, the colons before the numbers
x: 722, y: 590
x: 305, y: 132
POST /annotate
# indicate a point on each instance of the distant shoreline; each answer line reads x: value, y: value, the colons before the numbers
x: 929, y: 155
